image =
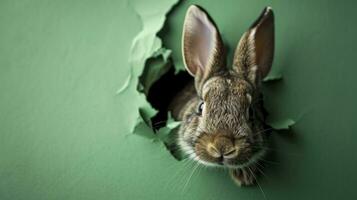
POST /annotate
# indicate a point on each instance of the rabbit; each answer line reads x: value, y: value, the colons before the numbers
x: 221, y: 110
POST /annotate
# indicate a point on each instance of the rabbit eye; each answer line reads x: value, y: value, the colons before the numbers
x: 200, y: 108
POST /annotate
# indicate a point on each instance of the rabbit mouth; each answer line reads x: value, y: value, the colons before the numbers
x: 250, y: 161
x: 232, y: 163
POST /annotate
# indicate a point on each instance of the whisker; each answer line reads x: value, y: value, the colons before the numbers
x: 263, y: 131
x: 261, y: 189
x: 269, y: 161
x: 261, y: 170
x: 159, y: 122
x: 275, y: 150
x: 185, y: 165
x: 181, y: 176
x: 189, y: 178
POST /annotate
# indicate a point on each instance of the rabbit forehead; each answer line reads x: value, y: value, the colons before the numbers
x: 225, y: 87
x: 226, y: 102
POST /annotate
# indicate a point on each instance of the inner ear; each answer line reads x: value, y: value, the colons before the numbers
x: 254, y: 54
x: 202, y: 44
x: 263, y: 33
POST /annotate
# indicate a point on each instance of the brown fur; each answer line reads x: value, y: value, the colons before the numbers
x: 230, y: 130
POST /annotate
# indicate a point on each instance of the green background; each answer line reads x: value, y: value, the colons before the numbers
x: 65, y: 133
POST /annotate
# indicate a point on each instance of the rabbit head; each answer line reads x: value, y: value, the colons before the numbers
x: 224, y: 125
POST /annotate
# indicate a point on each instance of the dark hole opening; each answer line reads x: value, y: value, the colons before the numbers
x: 162, y: 93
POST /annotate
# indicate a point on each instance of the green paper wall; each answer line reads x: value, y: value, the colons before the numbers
x: 65, y: 133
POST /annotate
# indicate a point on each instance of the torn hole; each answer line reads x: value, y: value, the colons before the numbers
x: 160, y: 83
x: 157, y: 85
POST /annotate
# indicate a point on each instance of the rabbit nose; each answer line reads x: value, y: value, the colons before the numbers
x: 222, y: 148
x: 230, y: 153
x: 213, y: 151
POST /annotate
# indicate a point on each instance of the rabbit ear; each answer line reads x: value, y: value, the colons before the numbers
x: 255, y: 51
x: 202, y: 46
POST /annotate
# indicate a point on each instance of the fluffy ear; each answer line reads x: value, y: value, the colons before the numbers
x: 202, y: 46
x: 255, y: 51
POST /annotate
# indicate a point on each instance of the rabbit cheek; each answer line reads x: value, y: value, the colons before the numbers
x: 244, y: 156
